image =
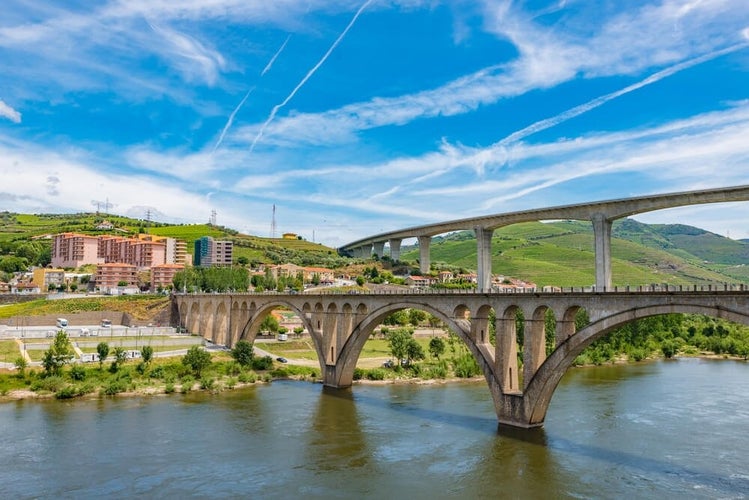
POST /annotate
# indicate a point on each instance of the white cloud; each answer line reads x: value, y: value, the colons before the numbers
x: 9, y: 113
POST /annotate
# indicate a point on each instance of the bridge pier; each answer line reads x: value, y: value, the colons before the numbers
x: 424, y: 263
x: 484, y: 253
x: 395, y: 249
x: 602, y: 236
x: 378, y: 249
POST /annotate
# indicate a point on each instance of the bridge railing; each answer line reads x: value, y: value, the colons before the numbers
x: 650, y: 288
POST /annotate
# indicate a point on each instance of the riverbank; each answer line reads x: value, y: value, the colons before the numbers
x: 136, y: 381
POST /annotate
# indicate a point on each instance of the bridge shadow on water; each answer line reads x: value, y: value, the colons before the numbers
x: 472, y: 422
x: 555, y: 444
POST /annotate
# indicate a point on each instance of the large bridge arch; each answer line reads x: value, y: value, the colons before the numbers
x: 541, y: 388
x: 349, y: 354
x: 248, y: 330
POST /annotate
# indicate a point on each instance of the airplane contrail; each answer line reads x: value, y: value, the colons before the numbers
x: 275, y: 56
x: 307, y: 76
x: 598, y: 101
x: 231, y: 119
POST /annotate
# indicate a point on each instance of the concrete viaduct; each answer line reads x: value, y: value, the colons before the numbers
x: 340, y: 324
x: 602, y: 214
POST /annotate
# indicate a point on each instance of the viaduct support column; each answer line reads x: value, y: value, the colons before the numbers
x: 378, y: 249
x: 602, y: 236
x: 484, y: 252
x: 395, y: 250
x: 424, y: 242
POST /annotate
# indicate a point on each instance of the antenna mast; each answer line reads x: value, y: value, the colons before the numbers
x: 273, y: 223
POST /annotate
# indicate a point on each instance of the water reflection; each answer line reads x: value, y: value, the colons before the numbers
x: 671, y: 429
x: 337, y: 441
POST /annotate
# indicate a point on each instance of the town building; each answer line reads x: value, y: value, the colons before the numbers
x: 45, y: 277
x: 210, y: 252
x: 162, y: 275
x: 71, y: 250
x: 112, y: 276
x: 75, y: 250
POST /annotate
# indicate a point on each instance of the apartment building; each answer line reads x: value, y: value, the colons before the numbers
x: 163, y: 274
x: 210, y: 252
x: 75, y: 250
x: 145, y: 251
x: 109, y: 276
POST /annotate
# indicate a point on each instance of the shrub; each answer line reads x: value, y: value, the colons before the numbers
x: 115, y: 387
x: 157, y: 372
x: 233, y: 368
x: 279, y: 373
x: 207, y: 383
x: 376, y: 374
x: 264, y: 363
x: 466, y: 367
x: 248, y: 378
x: 52, y: 383
x: 77, y: 372
x: 438, y: 372
x: 67, y: 392
x: 231, y: 382
x: 169, y: 388
x: 358, y: 373
x: 637, y: 354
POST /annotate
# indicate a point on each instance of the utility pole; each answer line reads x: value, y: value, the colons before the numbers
x: 273, y: 223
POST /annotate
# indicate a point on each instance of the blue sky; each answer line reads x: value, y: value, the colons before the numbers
x: 359, y: 117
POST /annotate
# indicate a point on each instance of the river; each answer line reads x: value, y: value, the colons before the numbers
x: 677, y: 428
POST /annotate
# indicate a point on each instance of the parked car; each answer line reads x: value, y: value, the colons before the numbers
x: 282, y: 360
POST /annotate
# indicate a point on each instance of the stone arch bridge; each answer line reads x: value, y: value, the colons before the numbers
x: 340, y: 324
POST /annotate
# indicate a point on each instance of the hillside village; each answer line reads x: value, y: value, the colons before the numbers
x: 118, y: 256
x: 113, y: 263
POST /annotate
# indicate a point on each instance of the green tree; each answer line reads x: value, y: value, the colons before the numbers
x: 197, y: 359
x: 146, y: 353
x: 398, y: 341
x: 269, y: 324
x: 102, y: 348
x: 669, y: 348
x: 21, y: 365
x: 12, y: 264
x: 436, y: 347
x: 120, y: 356
x: 59, y: 353
x: 360, y: 280
x: 243, y: 353
x: 414, y: 351
x: 416, y: 316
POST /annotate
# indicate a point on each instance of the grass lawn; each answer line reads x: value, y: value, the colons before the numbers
x: 304, y: 349
x: 9, y: 351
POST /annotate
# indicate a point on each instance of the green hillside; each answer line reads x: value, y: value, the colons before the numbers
x: 561, y: 254
x: 557, y: 253
x: 16, y: 229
